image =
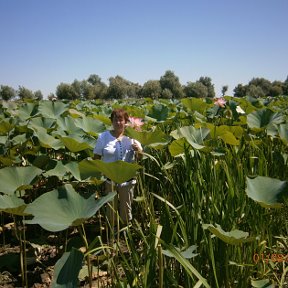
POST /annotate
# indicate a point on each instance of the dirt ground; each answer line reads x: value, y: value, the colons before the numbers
x: 41, y: 258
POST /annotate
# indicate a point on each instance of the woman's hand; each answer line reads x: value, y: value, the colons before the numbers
x: 138, y: 150
x: 136, y: 147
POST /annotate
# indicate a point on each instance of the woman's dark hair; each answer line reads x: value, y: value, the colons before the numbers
x: 119, y: 113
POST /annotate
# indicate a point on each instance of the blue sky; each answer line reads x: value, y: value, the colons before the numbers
x: 44, y: 43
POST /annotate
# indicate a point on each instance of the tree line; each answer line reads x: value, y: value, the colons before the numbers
x: 168, y: 87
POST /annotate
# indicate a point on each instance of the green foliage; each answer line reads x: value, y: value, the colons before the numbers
x: 208, y: 174
x: 59, y: 209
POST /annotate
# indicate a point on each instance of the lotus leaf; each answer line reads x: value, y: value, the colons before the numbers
x: 263, y: 118
x: 233, y: 237
x: 154, y: 138
x: 6, y: 126
x: 266, y: 191
x: 67, y: 269
x: 195, y: 104
x: 42, y: 122
x: 12, y: 204
x: 67, y: 124
x: 19, y: 139
x: 104, y: 119
x: 187, y: 265
x: 283, y: 132
x: 88, y: 169
x: 3, y: 139
x: 74, y: 145
x: 6, y: 161
x: 90, y: 125
x: 58, y: 170
x: 178, y: 147
x: 216, y: 131
x: 27, y: 110
x: 75, y: 114
x: 187, y: 253
x: 118, y: 171
x: 195, y: 137
x: 159, y: 112
x: 264, y: 283
x: 17, y: 178
x: 47, y: 140
x: 52, y: 109
x: 64, y: 207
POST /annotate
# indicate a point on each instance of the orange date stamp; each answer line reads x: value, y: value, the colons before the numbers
x: 266, y: 257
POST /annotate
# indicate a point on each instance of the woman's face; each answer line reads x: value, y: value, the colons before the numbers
x: 118, y: 123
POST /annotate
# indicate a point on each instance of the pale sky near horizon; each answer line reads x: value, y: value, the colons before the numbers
x: 45, y: 43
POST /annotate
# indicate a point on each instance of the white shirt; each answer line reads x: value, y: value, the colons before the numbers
x: 112, y: 149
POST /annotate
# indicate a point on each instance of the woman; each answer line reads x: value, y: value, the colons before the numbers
x: 113, y: 145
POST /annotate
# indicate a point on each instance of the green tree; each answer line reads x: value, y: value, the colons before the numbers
x: 196, y: 90
x: 66, y: 91
x: 25, y: 93
x: 262, y: 83
x: 78, y: 89
x: 120, y: 88
x: 171, y: 82
x: 224, y: 90
x: 7, y: 93
x: 167, y: 94
x: 240, y: 91
x: 151, y: 89
x: 94, y: 79
x: 255, y: 91
x: 207, y: 81
x: 285, y: 87
x: 38, y: 95
x: 276, y: 88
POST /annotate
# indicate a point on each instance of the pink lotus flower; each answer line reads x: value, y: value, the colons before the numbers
x: 135, y: 123
x: 221, y: 102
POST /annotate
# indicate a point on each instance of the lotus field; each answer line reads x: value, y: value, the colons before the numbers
x: 210, y: 205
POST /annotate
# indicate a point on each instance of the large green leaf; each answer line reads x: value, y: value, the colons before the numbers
x: 196, y: 104
x: 5, y: 126
x: 52, y: 109
x: 195, y: 137
x: 88, y: 169
x: 67, y: 124
x: 42, y: 122
x: 263, y: 118
x: 47, y: 140
x: 59, y: 209
x: 189, y: 268
x: 58, y: 169
x: 154, y: 138
x: 17, y: 178
x: 266, y: 191
x: 229, y: 134
x: 264, y: 283
x: 3, y: 139
x: 178, y: 147
x: 159, y: 112
x: 90, y: 125
x: 27, y: 110
x: 283, y: 132
x: 233, y: 237
x: 12, y: 204
x: 119, y: 171
x: 74, y: 144
x: 217, y: 131
x: 188, y: 253
x: 67, y: 270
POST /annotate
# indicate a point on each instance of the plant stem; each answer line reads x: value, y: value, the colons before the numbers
x: 83, y: 235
